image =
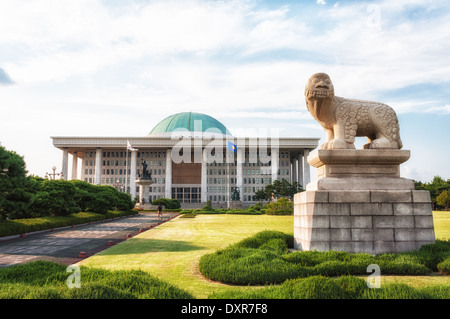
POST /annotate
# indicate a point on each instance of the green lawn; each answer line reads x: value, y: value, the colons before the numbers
x: 172, y: 250
x: 442, y: 224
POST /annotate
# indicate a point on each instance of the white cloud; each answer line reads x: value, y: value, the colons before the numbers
x: 86, y: 62
x: 440, y: 109
x: 321, y: 2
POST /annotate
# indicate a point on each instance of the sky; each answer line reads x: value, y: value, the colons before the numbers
x: 118, y: 67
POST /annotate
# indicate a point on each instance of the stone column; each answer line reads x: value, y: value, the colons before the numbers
x: 168, y: 193
x: 275, y: 158
x: 293, y: 169
x: 74, y: 165
x: 144, y: 185
x: 98, y: 166
x: 239, y: 176
x: 133, y: 174
x: 65, y: 163
x: 204, y: 185
x: 300, y: 170
x: 83, y: 166
x: 306, y: 169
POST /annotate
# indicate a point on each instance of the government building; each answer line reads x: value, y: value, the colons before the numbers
x: 191, y: 157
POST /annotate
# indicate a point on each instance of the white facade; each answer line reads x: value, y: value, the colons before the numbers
x: 204, y: 170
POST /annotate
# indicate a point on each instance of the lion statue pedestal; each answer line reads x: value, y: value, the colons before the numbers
x: 359, y: 203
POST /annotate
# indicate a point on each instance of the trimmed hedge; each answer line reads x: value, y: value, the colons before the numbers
x: 211, y: 211
x: 168, y: 203
x: 345, y: 287
x: 20, y: 226
x: 264, y: 259
x: 188, y: 215
x: 47, y: 280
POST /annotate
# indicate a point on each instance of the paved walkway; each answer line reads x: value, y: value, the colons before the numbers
x: 64, y: 245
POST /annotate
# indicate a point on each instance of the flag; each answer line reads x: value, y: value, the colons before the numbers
x: 232, y: 147
x: 130, y: 147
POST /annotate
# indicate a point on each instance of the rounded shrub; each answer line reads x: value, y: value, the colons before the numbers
x: 314, y: 287
x: 264, y: 259
x: 47, y: 280
x: 444, y: 267
x: 283, y: 206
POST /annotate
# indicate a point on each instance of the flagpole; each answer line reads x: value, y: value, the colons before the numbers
x: 126, y: 172
x: 228, y: 184
x: 234, y: 149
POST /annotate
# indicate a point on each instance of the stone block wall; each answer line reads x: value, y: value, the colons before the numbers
x: 372, y: 221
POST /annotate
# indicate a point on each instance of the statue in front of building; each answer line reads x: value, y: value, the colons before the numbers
x: 144, y: 172
x: 236, y: 194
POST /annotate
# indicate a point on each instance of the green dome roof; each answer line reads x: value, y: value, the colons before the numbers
x: 189, y: 122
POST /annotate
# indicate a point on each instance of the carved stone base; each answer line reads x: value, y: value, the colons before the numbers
x: 363, y: 221
x: 143, y: 189
x: 367, y: 209
x: 237, y: 204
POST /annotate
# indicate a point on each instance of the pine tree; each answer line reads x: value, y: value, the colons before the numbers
x: 15, y: 196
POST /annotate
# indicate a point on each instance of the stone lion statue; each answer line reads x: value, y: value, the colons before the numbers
x: 344, y: 119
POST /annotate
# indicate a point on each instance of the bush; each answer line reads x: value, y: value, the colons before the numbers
x: 345, y: 287
x: 320, y: 287
x: 124, y: 201
x: 20, y: 226
x: 444, y: 267
x: 247, y: 211
x: 43, y: 279
x: 258, y: 206
x: 208, y: 206
x: 188, y: 215
x: 263, y: 237
x: 168, y: 203
x: 431, y: 255
x: 264, y: 259
x: 282, y: 206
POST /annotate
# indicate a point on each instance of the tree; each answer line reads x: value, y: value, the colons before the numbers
x: 280, y: 189
x: 55, y: 197
x: 444, y: 199
x: 15, y: 195
x: 260, y: 195
x: 124, y: 201
x: 435, y: 187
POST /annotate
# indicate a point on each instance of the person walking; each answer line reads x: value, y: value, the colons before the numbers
x: 159, y: 210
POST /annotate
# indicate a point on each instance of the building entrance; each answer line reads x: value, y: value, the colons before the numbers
x: 184, y: 194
